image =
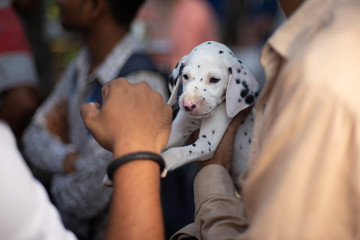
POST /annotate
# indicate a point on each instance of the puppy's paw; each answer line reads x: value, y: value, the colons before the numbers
x: 173, y: 158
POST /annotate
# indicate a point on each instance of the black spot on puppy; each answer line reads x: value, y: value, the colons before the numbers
x: 230, y: 70
x: 221, y: 52
x: 181, y: 68
x: 249, y: 99
x: 244, y: 92
x: 209, y: 143
x: 204, y: 136
x: 190, y: 152
x: 245, y: 85
x: 194, y: 145
x: 237, y: 81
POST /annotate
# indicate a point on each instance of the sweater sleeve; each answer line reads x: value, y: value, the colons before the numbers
x: 43, y: 149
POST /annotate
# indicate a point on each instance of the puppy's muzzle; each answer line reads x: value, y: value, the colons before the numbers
x: 189, y: 106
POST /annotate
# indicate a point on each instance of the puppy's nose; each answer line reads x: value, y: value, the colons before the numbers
x: 189, y: 106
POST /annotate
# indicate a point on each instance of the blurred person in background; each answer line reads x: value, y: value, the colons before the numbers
x: 192, y: 22
x: 57, y: 142
x: 255, y: 23
x: 33, y: 15
x: 172, y: 28
x: 19, y: 93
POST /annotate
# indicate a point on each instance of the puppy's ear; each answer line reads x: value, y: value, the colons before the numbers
x: 242, y: 89
x: 175, y: 81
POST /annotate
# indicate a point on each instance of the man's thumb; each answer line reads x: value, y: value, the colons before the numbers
x: 90, y: 113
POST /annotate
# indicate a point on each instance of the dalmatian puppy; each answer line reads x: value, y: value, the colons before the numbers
x: 215, y: 87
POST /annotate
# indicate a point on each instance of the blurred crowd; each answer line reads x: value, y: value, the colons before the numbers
x: 35, y: 50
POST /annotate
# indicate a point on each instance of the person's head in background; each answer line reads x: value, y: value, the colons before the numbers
x: 102, y: 23
x: 84, y: 15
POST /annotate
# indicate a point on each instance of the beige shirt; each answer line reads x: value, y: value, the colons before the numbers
x: 304, y: 177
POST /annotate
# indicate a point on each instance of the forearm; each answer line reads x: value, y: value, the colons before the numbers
x: 219, y: 212
x: 44, y: 150
x: 136, y: 208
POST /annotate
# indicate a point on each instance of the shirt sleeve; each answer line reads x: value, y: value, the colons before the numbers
x: 25, y: 206
x: 43, y: 149
x: 219, y: 213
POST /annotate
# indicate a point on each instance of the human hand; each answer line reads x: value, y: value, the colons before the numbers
x: 133, y: 118
x: 57, y: 121
x: 224, y: 152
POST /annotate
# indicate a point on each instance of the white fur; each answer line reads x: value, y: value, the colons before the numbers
x: 216, y: 86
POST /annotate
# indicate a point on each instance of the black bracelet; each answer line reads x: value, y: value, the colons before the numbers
x: 134, y: 156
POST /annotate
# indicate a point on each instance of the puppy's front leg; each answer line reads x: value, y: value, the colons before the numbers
x: 181, y: 129
x: 211, y: 131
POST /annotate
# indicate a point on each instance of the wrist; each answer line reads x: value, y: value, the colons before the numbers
x: 122, y: 149
x: 154, y: 162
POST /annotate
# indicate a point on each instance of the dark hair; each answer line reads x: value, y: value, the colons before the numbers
x: 124, y: 11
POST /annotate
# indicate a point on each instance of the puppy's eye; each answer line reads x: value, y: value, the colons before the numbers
x: 186, y: 76
x: 214, y: 80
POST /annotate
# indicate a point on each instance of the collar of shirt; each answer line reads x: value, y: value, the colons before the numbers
x: 308, y: 17
x: 112, y: 64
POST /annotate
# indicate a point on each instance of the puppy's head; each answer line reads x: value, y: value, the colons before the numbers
x: 209, y: 75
